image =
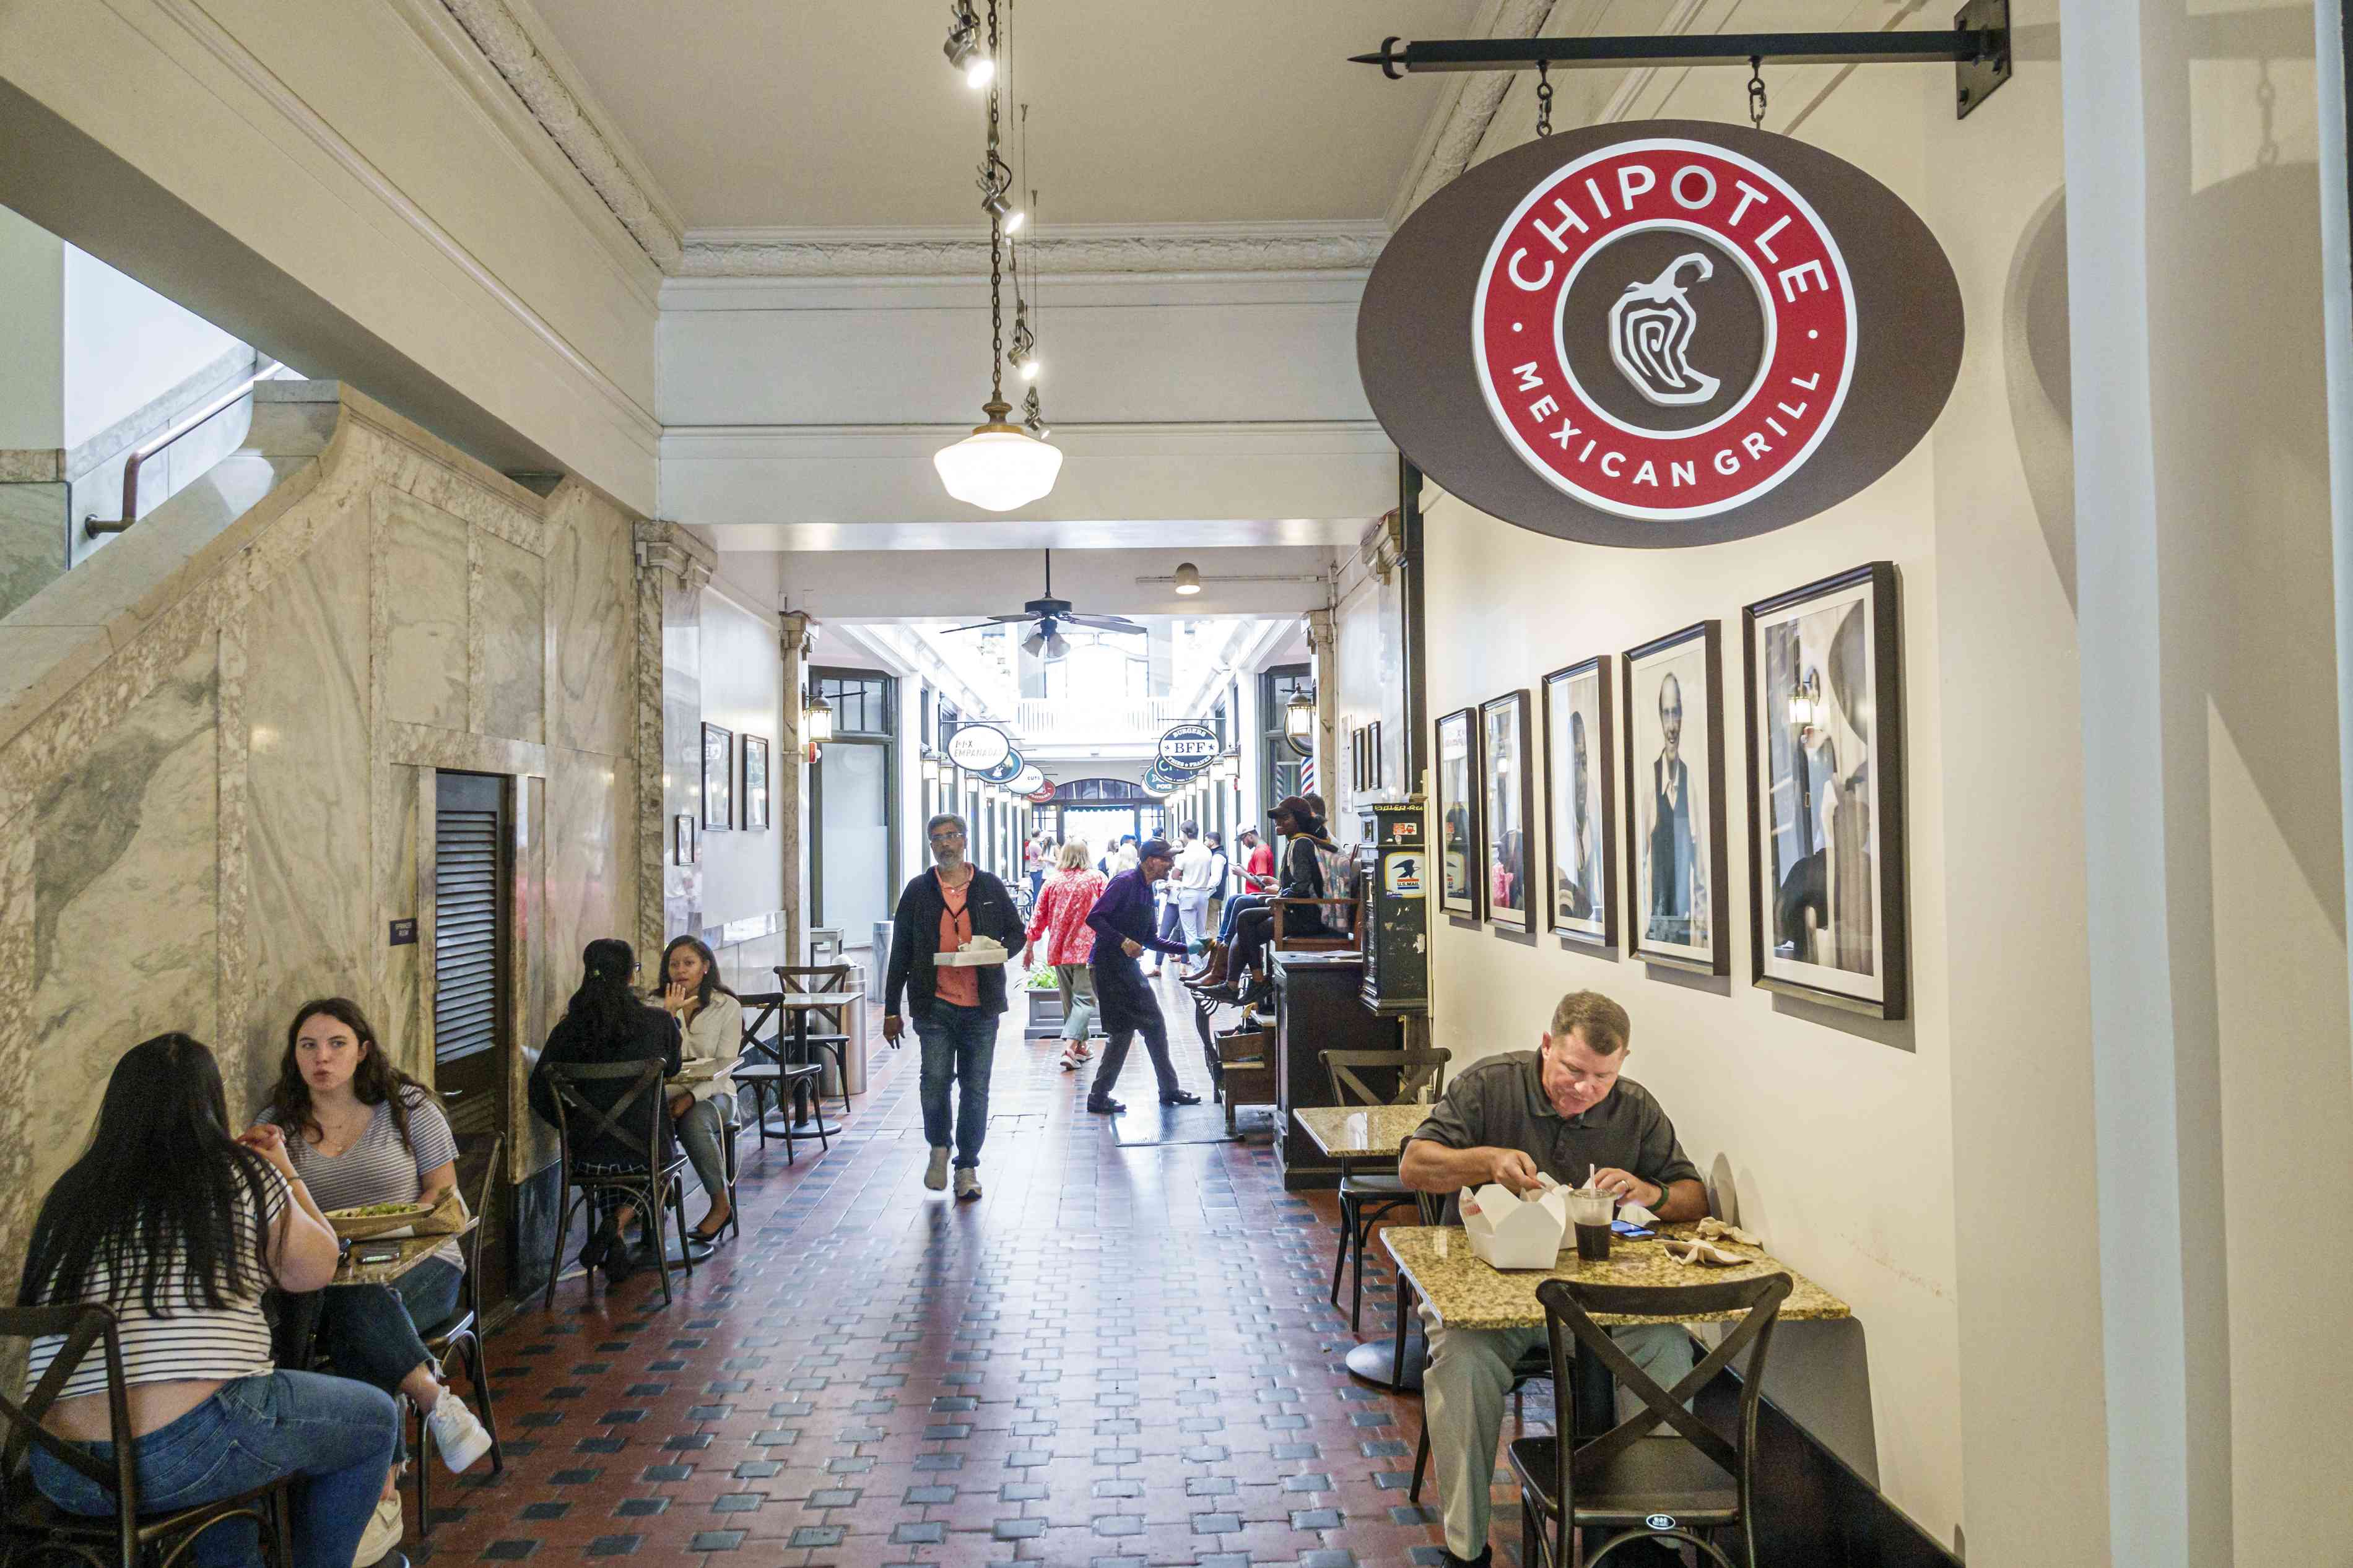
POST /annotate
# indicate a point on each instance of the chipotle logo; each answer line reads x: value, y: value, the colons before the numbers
x: 1664, y: 334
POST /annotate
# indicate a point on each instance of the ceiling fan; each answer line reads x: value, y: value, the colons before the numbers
x: 1052, y: 614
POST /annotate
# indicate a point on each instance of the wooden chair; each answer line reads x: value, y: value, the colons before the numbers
x: 1366, y: 1201
x: 657, y: 1183
x: 815, y: 980
x: 1634, y: 1481
x: 127, y: 1538
x: 462, y: 1336
x: 1330, y: 940
x: 764, y: 1071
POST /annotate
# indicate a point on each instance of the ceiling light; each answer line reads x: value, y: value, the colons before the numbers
x: 1024, y: 353
x: 1188, y: 579
x: 963, y: 46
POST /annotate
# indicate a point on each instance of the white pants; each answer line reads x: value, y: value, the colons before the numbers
x: 1193, y: 910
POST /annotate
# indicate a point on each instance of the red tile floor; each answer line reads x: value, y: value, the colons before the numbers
x: 1118, y: 1355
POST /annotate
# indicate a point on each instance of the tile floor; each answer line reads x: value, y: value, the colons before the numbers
x: 1119, y: 1355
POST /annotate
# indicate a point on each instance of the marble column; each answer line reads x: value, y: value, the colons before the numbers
x: 791, y: 782
x: 673, y: 567
x: 1322, y: 647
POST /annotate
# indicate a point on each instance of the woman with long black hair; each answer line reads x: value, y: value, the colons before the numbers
x: 360, y: 1131
x: 177, y: 1227
x: 606, y: 1021
x: 711, y: 1022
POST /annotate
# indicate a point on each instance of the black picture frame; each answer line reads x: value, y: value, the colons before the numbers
x: 1653, y: 922
x: 1456, y: 781
x: 718, y: 778
x: 1598, y: 926
x: 1836, y: 647
x: 683, y: 838
x: 755, y: 783
x: 1508, y: 772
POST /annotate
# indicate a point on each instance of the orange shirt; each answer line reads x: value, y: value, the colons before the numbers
x: 959, y: 986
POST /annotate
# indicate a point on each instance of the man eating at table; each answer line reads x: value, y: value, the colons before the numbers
x: 1560, y: 1110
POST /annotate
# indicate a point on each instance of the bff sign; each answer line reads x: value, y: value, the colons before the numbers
x: 1660, y: 335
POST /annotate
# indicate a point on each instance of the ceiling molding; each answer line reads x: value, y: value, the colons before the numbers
x: 1460, y: 120
x: 556, y: 102
x: 1073, y: 251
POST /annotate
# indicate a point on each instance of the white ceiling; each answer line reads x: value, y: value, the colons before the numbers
x: 748, y: 113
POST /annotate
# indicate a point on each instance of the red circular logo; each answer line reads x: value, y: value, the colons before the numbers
x: 1664, y: 329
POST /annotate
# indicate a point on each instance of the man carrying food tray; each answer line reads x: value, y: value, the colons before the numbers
x: 954, y: 929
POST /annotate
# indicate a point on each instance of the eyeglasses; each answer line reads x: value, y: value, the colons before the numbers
x: 947, y: 835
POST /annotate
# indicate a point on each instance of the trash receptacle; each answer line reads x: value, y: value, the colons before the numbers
x: 852, y: 1073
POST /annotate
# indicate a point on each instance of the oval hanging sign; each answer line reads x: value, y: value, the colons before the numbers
x: 1656, y: 334
x: 1188, y: 747
x: 1043, y: 794
x: 1027, y: 781
x: 1008, y: 769
x: 977, y: 748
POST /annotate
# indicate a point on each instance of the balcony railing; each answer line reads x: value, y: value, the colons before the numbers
x: 1048, y: 721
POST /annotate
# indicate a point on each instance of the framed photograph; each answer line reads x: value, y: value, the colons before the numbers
x: 1508, y: 771
x: 756, y: 783
x: 1825, y: 903
x: 718, y: 779
x: 681, y: 827
x: 1677, y: 905
x: 1581, y: 802
x: 1458, y: 805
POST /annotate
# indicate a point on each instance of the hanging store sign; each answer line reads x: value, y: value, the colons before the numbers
x: 1665, y: 333
x: 1008, y: 768
x: 977, y: 748
x: 1189, y: 747
x: 1027, y: 780
x: 1043, y: 794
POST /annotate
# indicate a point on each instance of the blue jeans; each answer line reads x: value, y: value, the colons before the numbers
x: 959, y: 1047
x: 336, y: 1433
x: 1234, y: 907
x: 370, y: 1332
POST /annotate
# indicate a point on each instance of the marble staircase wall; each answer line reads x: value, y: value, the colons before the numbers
x: 218, y: 791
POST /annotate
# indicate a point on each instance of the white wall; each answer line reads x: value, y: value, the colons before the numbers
x: 125, y: 345
x: 743, y: 689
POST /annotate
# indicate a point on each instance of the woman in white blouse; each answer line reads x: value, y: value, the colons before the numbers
x: 712, y: 1021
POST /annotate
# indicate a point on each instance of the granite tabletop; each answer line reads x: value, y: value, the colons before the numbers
x: 1361, y: 1131
x: 414, y: 1250
x: 1466, y: 1293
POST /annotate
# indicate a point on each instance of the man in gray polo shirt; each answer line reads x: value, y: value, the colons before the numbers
x: 1563, y: 1110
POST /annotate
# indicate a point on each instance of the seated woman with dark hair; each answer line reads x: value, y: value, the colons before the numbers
x: 360, y: 1131
x: 712, y: 1021
x: 177, y: 1229
x: 1244, y: 978
x: 606, y: 1022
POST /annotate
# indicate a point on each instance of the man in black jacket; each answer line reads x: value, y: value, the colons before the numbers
x: 956, y: 1008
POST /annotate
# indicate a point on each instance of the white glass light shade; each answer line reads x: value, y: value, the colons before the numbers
x: 1299, y: 716
x: 997, y: 468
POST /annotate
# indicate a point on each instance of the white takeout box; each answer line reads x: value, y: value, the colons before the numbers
x: 1516, y: 1233
x: 974, y: 953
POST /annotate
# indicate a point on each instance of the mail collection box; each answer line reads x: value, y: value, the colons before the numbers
x: 1393, y: 868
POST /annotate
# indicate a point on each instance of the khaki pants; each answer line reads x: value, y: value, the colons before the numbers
x: 1462, y: 1392
x: 1078, y: 999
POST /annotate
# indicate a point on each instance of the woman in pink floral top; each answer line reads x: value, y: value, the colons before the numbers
x: 1063, y: 905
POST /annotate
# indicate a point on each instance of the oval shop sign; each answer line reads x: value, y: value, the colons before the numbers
x: 1187, y: 748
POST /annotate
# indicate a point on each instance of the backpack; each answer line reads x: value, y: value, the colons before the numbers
x: 1336, y: 867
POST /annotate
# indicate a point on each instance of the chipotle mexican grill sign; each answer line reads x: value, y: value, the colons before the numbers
x: 1665, y: 333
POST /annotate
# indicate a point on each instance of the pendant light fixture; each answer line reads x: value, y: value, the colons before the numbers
x: 999, y: 466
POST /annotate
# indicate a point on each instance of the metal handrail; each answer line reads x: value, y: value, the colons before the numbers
x: 94, y: 526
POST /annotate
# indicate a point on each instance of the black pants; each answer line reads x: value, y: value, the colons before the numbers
x: 1254, y: 929
x: 1129, y: 1009
x: 1155, y: 1031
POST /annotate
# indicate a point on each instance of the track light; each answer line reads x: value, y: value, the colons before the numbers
x: 1034, y: 416
x: 1024, y: 354
x: 1188, y: 579
x: 963, y: 46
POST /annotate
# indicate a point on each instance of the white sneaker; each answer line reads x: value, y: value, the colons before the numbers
x: 460, y: 1437
x: 968, y: 1183
x: 935, y: 1174
x: 382, y: 1537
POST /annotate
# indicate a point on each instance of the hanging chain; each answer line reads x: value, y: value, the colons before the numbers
x: 1543, y: 100
x: 995, y: 245
x: 1757, y: 91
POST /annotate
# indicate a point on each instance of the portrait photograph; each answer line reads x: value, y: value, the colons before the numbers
x: 1580, y: 803
x: 1458, y: 827
x: 1508, y: 772
x: 1676, y: 907
x: 1825, y: 791
x: 756, y: 783
x: 718, y: 779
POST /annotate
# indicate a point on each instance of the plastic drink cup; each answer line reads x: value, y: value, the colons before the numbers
x: 1590, y: 1211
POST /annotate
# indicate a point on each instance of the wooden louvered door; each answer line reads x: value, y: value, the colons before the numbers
x: 473, y: 1040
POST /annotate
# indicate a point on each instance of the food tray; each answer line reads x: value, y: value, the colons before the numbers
x: 361, y: 1227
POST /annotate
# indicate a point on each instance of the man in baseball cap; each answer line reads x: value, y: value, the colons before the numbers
x: 1122, y: 924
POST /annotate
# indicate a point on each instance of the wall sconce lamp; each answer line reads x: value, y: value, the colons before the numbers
x: 1299, y: 717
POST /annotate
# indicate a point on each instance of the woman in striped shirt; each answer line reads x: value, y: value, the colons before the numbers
x: 360, y: 1131
x: 177, y: 1229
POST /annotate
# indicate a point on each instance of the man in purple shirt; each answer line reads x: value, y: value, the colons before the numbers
x: 1123, y: 923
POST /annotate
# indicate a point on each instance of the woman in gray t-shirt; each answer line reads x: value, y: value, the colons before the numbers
x: 360, y: 1131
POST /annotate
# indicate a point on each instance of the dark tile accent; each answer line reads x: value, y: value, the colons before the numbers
x: 715, y: 1541
x: 612, y: 1546
x: 545, y: 1509
x: 1316, y: 1519
x: 738, y: 1502
x: 509, y: 1550
x: 641, y: 1507
x: 817, y: 1535
x: 1017, y: 1528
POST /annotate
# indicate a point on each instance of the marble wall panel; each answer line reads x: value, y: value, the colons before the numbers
x: 398, y: 977
x: 18, y: 1194
x: 313, y: 912
x: 32, y: 540
x: 510, y: 618
x: 422, y: 556
x: 591, y: 601
x: 681, y: 700
x: 123, y: 902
